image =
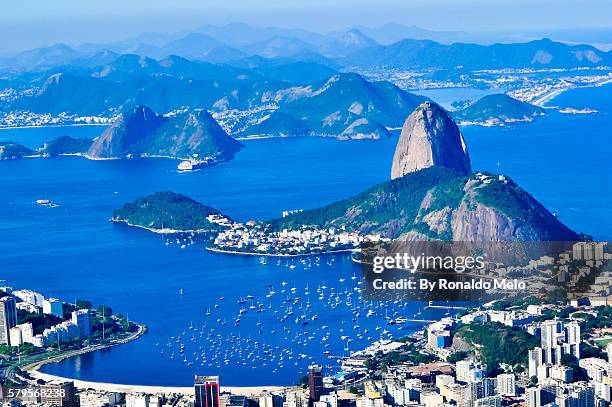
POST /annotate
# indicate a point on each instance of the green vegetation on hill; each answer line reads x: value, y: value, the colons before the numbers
x: 142, y: 132
x: 513, y: 201
x: 166, y: 210
x: 344, y: 105
x: 498, y: 109
x: 65, y: 145
x: 387, y: 208
x: 497, y: 343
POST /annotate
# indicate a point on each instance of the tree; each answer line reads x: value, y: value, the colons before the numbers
x: 104, y: 310
x: 84, y: 304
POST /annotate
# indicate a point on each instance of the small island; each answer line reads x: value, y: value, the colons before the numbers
x: 10, y: 150
x: 497, y: 110
x: 169, y: 212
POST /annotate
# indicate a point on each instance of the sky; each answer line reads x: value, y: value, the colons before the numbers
x: 32, y: 23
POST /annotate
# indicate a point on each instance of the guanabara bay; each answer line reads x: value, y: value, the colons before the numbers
x: 305, y: 204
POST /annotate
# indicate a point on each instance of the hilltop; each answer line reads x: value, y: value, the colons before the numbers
x: 167, y: 212
x: 498, y: 109
x: 345, y: 106
x: 141, y: 132
x: 430, y: 137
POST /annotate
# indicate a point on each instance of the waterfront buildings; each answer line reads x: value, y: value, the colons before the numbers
x: 8, y: 319
x: 270, y: 400
x: 53, y: 306
x: 315, y: 383
x: 206, y: 391
x: 20, y: 334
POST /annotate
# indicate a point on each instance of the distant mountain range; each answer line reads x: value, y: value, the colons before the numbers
x: 387, y: 45
x: 294, y: 98
x: 429, y: 54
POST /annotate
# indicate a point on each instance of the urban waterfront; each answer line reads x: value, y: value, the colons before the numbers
x: 141, y: 275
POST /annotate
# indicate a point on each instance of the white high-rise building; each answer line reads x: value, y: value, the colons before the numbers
x: 82, y: 319
x: 549, y: 333
x: 535, y: 359
x: 20, y: 334
x: 53, y: 306
x: 533, y: 397
x: 609, y: 351
x: 506, y: 384
x: 467, y: 371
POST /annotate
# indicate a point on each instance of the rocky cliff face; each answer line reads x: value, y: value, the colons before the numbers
x: 429, y: 138
x: 130, y: 128
x: 493, y: 208
x: 142, y: 132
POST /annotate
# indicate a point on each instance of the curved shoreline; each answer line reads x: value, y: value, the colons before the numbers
x: 212, y: 249
x: 160, y: 231
x: 135, y: 388
x: 33, y: 369
x: 35, y: 366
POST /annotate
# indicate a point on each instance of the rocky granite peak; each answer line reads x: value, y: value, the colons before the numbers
x: 430, y: 138
x: 142, y: 132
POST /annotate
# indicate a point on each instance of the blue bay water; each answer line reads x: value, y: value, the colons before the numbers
x: 75, y: 252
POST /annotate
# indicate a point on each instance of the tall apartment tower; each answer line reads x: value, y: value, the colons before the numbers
x: 315, y: 382
x: 206, y: 391
x: 550, y: 332
x: 8, y: 319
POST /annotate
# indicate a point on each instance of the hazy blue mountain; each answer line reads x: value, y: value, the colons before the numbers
x: 142, y: 132
x: 297, y: 72
x: 240, y: 34
x: 42, y: 57
x: 498, y: 109
x: 222, y: 54
x: 278, y: 47
x: 390, y: 33
x: 87, y: 95
x: 345, y: 105
x: 348, y: 42
x: 128, y: 66
x: 131, y: 44
x: 191, y: 46
x: 429, y: 54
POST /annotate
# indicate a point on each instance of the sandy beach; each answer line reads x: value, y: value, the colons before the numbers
x: 129, y: 388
